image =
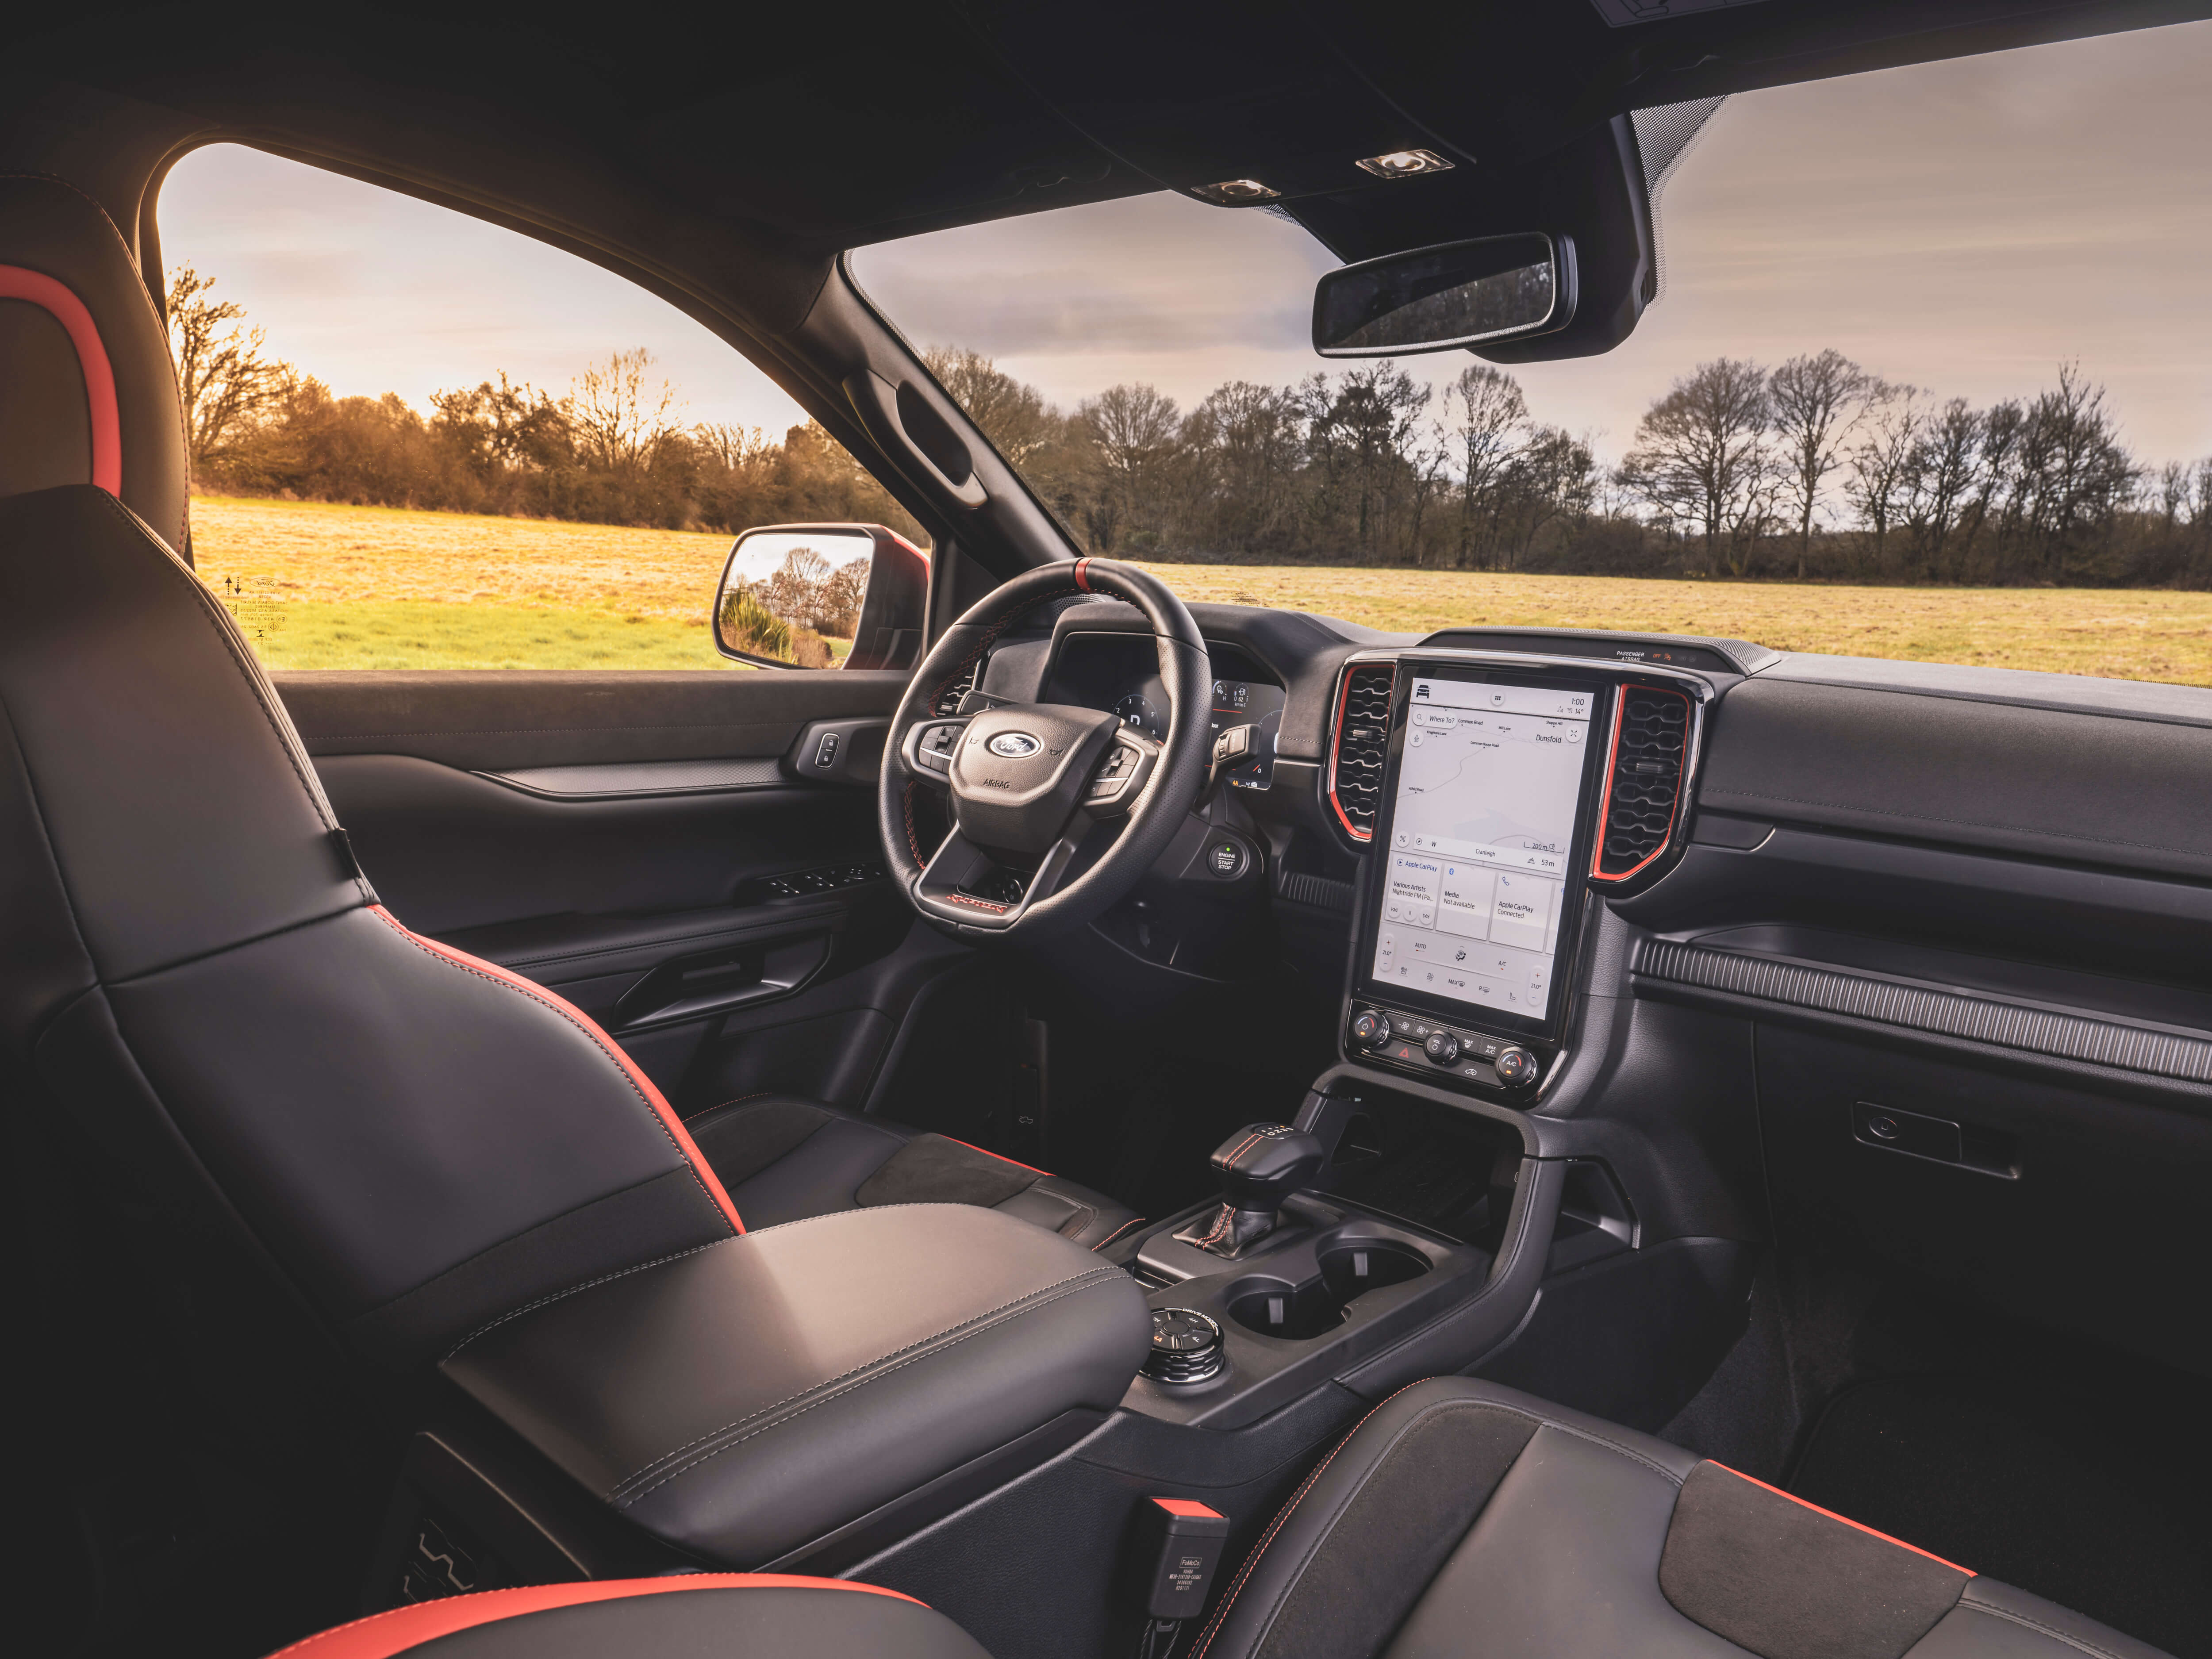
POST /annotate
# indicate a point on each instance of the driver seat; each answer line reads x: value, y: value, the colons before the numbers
x: 200, y: 974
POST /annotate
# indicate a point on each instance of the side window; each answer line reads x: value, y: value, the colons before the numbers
x: 422, y: 441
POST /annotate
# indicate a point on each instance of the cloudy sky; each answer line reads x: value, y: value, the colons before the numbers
x: 1966, y: 226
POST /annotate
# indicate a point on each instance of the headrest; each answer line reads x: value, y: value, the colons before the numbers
x: 89, y: 394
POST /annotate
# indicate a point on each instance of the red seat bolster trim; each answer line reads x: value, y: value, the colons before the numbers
x: 1847, y: 1521
x: 65, y: 308
x: 1001, y: 1156
x: 653, y: 1098
x: 383, y: 1634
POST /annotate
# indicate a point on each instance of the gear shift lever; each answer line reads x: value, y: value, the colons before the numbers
x: 1258, y: 1166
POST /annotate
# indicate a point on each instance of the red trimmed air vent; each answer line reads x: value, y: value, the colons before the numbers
x: 1642, y: 781
x: 1358, y: 744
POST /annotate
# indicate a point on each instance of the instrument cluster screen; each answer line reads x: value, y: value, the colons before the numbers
x: 1492, y: 781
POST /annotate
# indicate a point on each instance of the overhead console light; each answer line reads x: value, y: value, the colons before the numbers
x: 1405, y: 164
x: 1237, y: 192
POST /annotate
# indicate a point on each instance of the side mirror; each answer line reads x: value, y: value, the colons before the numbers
x: 823, y: 596
x: 1459, y: 294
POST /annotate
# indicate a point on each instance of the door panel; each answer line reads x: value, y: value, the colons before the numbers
x: 653, y: 846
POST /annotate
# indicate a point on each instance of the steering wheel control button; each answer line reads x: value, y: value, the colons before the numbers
x: 1442, y: 1047
x: 1516, y: 1066
x: 1186, y: 1346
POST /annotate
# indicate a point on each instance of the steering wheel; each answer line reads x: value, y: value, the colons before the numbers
x: 1027, y: 782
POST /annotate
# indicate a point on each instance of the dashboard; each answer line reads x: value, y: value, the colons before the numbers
x: 1119, y: 673
x: 1901, y: 961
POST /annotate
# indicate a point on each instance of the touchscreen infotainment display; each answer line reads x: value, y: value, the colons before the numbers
x: 1490, y: 781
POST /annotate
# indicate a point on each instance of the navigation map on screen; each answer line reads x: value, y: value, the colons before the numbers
x: 1488, y: 785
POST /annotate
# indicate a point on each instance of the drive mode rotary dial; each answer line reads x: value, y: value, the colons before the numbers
x: 1186, y: 1346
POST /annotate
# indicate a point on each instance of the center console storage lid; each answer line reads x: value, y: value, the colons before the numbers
x: 747, y: 1397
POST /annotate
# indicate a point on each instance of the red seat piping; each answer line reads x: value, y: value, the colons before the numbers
x: 381, y: 1635
x: 65, y: 308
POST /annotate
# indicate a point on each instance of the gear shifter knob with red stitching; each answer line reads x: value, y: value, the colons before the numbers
x: 1258, y: 1166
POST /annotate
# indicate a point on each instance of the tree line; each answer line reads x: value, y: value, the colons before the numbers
x: 1816, y: 469
x: 1813, y: 469
x: 614, y: 449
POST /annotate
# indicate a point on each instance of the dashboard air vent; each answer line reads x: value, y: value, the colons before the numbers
x: 1644, y: 780
x: 1359, y: 744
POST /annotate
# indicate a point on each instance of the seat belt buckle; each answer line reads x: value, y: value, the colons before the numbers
x: 1175, y: 1545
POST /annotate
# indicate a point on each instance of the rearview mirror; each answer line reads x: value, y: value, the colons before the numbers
x: 1459, y: 294
x: 823, y: 596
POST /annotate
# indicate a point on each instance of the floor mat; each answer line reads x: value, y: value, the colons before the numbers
x: 2095, y: 1500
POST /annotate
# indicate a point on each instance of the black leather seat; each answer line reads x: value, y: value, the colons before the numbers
x: 701, y: 1616
x: 1463, y: 1520
x: 784, y: 1158
x: 1458, y: 1521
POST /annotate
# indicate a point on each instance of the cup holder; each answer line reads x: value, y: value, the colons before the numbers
x: 1293, y: 1315
x: 1351, y: 1270
x: 1311, y: 1309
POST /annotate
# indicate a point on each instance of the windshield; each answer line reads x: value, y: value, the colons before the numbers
x: 1930, y: 376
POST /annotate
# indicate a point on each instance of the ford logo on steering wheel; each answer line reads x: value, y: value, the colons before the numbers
x: 1014, y: 745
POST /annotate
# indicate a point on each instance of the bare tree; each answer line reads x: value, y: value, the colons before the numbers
x: 1134, y: 431
x: 227, y: 382
x: 619, y: 425
x: 1362, y: 431
x: 1701, y: 455
x: 1013, y: 415
x: 1485, y: 415
x: 1814, y: 400
x: 1881, y: 459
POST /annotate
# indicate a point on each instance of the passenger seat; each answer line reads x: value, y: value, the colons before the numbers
x: 1458, y: 1521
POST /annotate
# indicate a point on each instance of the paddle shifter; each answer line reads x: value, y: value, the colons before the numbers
x: 1258, y: 1166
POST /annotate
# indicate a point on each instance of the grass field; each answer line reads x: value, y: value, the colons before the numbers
x: 376, y: 587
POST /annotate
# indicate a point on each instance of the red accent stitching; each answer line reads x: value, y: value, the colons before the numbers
x: 60, y: 303
x: 671, y: 1125
x: 912, y: 841
x: 1259, y: 1549
x: 402, y: 1628
x: 1138, y: 1222
x: 1845, y: 1519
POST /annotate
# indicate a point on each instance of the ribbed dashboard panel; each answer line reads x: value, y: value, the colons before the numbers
x: 1359, y: 744
x: 1935, y: 1009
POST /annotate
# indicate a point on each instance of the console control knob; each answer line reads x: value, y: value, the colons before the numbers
x: 1186, y: 1346
x: 1372, y: 1029
x: 1516, y: 1066
x: 1442, y: 1048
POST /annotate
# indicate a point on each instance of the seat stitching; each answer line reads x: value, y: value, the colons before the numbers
x: 556, y: 1296
x: 1252, y: 1561
x: 639, y: 1474
x: 1134, y: 1221
x: 596, y: 1042
x: 1329, y: 1530
x: 2071, y: 1641
x: 1659, y: 1469
x: 1060, y: 1293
